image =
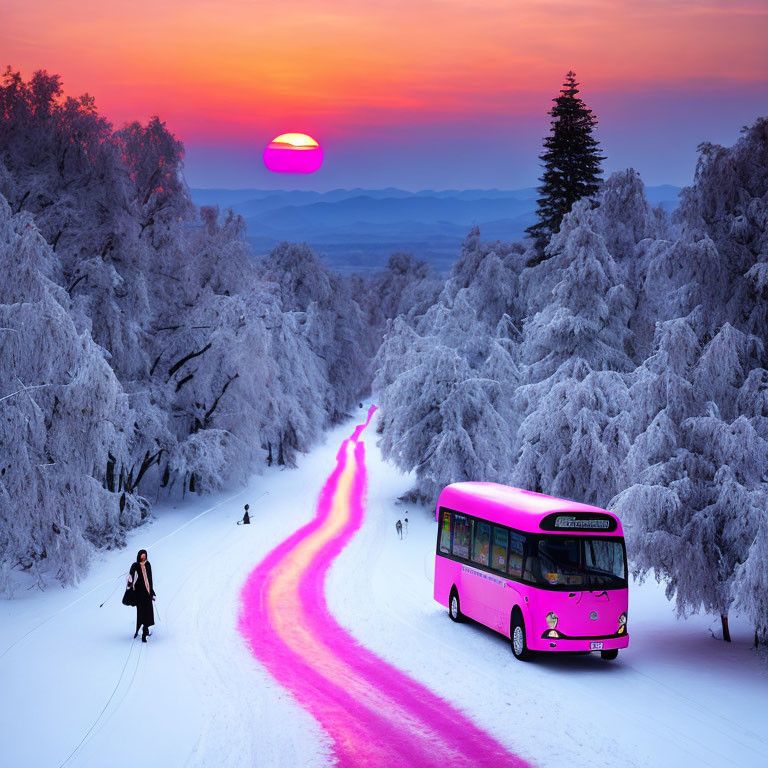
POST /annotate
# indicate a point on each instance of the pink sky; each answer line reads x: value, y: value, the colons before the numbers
x: 448, y: 93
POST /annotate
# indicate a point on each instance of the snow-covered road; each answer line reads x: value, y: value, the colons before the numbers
x: 77, y: 690
x: 374, y: 714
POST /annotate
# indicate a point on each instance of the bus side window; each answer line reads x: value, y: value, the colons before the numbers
x: 499, y: 549
x: 445, y: 532
x: 481, y: 542
x: 516, y: 554
x: 531, y: 569
x: 460, y: 547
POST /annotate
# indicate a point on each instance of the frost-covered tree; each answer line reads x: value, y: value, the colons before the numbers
x: 331, y: 320
x: 68, y: 172
x: 585, y: 315
x: 704, y: 265
x: 488, y: 272
x: 575, y: 353
x: 296, y: 412
x: 625, y: 219
x: 662, y: 396
x: 697, y: 469
x: 573, y: 441
x: 728, y: 205
x: 683, y: 279
x: 446, y: 379
x: 696, y: 514
x: 727, y: 199
x: 445, y: 420
x: 621, y: 216
x: 405, y: 287
x: 630, y: 229
x: 214, y: 363
x: 751, y: 581
x: 153, y: 156
x: 696, y: 497
x: 63, y: 414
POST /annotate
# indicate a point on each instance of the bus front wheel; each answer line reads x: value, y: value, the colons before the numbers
x: 517, y: 638
x: 454, y: 606
x: 609, y: 655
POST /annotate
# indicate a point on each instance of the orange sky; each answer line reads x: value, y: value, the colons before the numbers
x: 236, y: 71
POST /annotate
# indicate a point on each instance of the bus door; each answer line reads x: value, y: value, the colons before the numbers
x: 477, y: 583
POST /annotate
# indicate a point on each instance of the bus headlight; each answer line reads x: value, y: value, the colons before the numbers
x: 551, y: 620
x: 622, y: 624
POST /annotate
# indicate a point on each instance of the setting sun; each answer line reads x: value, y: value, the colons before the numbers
x: 293, y: 153
x: 297, y: 140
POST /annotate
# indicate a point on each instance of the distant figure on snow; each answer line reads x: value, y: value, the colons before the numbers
x: 361, y: 405
x: 399, y: 529
x: 140, y: 580
x: 246, y: 517
x: 405, y: 524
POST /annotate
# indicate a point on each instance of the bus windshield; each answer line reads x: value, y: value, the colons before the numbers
x: 577, y: 562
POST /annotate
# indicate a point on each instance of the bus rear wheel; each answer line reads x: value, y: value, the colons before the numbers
x: 454, y: 606
x: 517, y: 638
x: 609, y: 655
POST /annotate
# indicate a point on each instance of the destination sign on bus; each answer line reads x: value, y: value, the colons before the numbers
x: 564, y: 521
x: 578, y: 521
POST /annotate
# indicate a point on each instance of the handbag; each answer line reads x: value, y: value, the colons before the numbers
x: 129, y: 598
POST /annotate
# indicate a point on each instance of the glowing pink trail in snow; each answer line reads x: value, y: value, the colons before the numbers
x: 374, y: 714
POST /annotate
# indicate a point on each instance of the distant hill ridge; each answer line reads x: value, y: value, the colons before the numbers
x: 357, y: 229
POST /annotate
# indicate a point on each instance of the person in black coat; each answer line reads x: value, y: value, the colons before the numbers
x: 140, y: 580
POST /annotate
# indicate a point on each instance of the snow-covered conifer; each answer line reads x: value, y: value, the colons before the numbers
x: 405, y: 285
x: 662, y: 396
x: 624, y: 217
x: 575, y: 430
x: 586, y: 317
x: 446, y: 377
x: 751, y: 581
x: 697, y: 468
x: 728, y: 203
x: 573, y: 440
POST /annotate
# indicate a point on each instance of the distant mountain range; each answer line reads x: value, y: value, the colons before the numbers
x: 355, y: 230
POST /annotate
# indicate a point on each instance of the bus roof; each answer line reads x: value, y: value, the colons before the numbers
x: 514, y: 507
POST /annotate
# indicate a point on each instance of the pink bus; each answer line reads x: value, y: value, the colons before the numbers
x: 548, y: 573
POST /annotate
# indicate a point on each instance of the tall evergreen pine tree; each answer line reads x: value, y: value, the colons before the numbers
x: 571, y: 162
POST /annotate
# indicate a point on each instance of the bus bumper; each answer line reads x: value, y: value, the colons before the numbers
x: 564, y: 645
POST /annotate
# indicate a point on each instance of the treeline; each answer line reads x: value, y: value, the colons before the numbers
x: 619, y: 358
x: 624, y: 365
x: 142, y: 351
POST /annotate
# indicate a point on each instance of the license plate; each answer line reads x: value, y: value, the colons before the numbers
x: 595, y: 646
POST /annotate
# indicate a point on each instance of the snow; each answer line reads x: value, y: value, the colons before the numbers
x: 194, y: 688
x: 194, y: 696
x: 675, y: 696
